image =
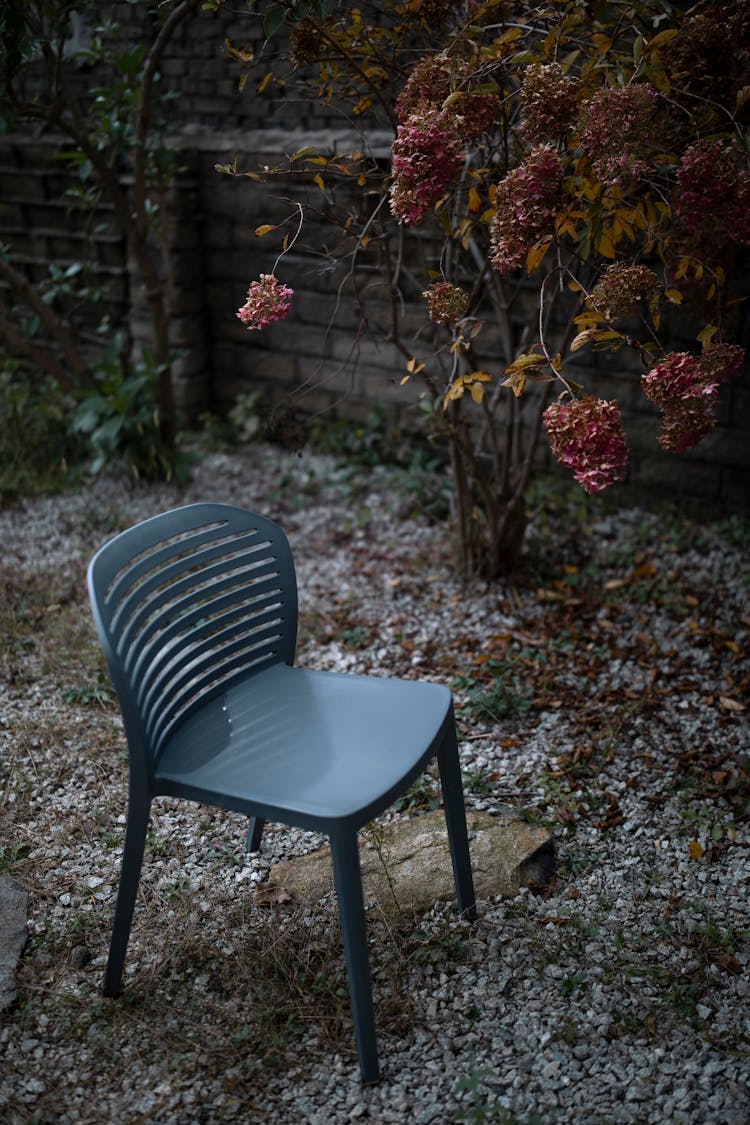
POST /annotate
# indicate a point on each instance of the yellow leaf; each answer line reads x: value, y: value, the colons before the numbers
x: 707, y: 334
x: 695, y: 851
x: 606, y: 245
x: 475, y: 200
x: 318, y: 179
x: 659, y: 80
x: 610, y: 334
x: 521, y: 362
x: 266, y: 228
x: 674, y: 296
x: 516, y: 382
x: 264, y: 82
x: 535, y: 255
x: 476, y: 390
x: 362, y: 106
x: 243, y: 56
x: 582, y: 339
x: 662, y: 38
x: 454, y: 392
x: 567, y: 226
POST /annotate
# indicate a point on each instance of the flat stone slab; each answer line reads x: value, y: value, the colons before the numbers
x: 13, y: 934
x: 406, y: 866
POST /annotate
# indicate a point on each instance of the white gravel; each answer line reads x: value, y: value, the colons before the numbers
x: 619, y: 996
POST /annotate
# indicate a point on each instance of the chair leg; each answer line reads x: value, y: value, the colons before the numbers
x: 455, y: 818
x: 254, y: 833
x: 130, y: 873
x: 348, y: 879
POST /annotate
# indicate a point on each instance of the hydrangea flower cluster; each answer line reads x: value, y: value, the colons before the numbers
x: 711, y: 197
x: 431, y: 139
x: 525, y: 206
x: 267, y: 301
x: 616, y: 132
x: 446, y: 303
x: 620, y: 288
x: 586, y: 436
x: 305, y: 43
x: 549, y: 101
x: 722, y: 361
x: 427, y: 157
x: 427, y: 87
x: 686, y: 388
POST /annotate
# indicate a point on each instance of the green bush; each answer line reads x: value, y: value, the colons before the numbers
x: 120, y: 418
x: 38, y: 448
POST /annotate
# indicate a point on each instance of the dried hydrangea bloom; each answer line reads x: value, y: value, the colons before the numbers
x: 710, y: 57
x: 686, y: 389
x: 474, y: 114
x: 446, y: 303
x: 427, y: 157
x: 586, y: 436
x: 526, y: 203
x: 549, y: 101
x: 267, y: 301
x: 711, y: 197
x: 469, y: 113
x: 306, y: 43
x: 617, y: 132
x: 722, y: 361
x: 427, y: 87
x: 620, y: 288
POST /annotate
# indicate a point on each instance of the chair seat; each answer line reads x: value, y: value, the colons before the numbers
x: 306, y: 744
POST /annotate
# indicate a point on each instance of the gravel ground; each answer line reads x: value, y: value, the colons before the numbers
x: 604, y: 693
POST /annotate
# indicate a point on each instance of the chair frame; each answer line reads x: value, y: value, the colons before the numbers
x: 140, y: 624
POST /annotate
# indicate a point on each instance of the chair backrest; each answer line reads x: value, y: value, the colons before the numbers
x: 186, y: 604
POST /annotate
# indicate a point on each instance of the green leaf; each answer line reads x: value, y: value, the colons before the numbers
x: 272, y: 21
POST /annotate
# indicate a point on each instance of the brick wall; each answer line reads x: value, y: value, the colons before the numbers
x: 216, y: 255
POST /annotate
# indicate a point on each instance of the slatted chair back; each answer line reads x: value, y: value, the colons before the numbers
x: 186, y: 604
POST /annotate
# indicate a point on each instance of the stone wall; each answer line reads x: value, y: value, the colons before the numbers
x: 216, y: 255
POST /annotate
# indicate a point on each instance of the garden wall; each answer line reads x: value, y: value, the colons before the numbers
x: 213, y: 218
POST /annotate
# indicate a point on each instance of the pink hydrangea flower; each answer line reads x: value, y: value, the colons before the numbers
x: 686, y: 389
x: 427, y: 87
x: 525, y: 207
x: 267, y: 301
x: 549, y: 100
x: 711, y: 197
x: 617, y: 131
x: 427, y: 157
x: 446, y: 303
x: 586, y: 436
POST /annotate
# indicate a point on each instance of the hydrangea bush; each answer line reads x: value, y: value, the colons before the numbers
x: 593, y: 156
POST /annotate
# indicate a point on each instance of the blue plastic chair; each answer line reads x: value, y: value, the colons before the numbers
x: 196, y: 611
